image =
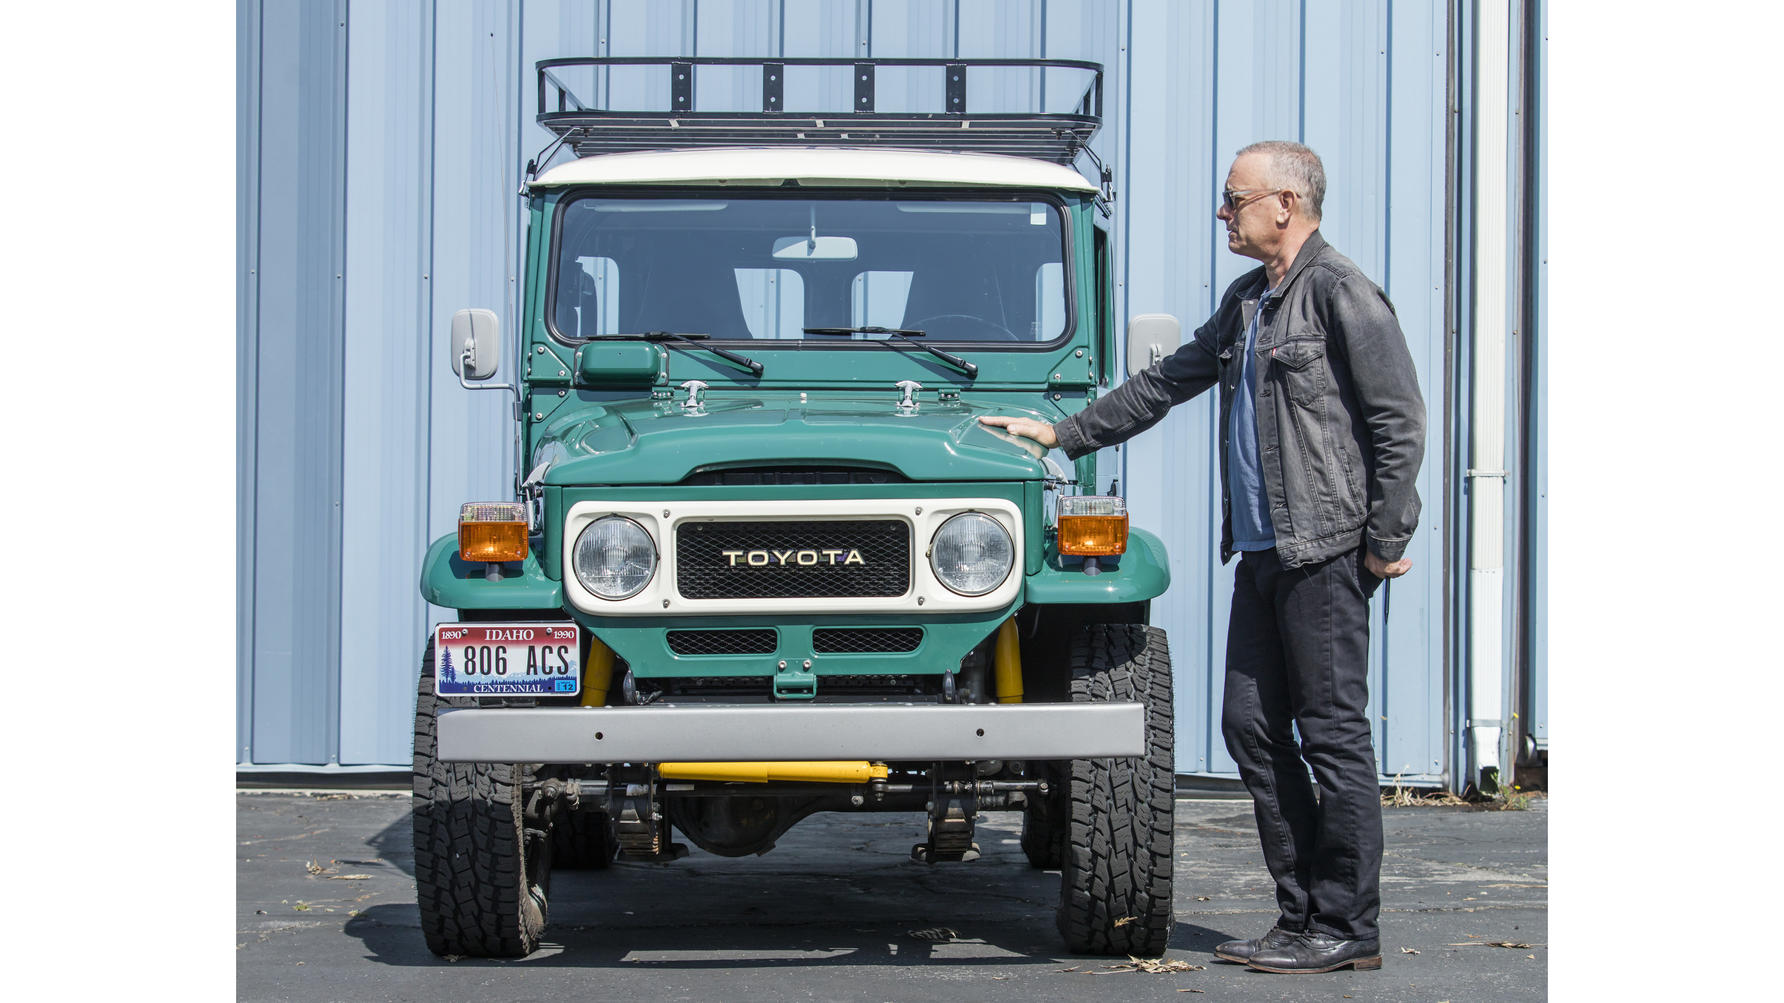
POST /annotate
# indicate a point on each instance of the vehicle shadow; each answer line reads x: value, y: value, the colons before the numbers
x: 842, y: 893
x: 391, y: 935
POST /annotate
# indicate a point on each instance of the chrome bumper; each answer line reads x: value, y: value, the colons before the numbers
x: 708, y: 733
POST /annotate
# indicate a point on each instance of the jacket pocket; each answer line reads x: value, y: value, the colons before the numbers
x: 1300, y: 366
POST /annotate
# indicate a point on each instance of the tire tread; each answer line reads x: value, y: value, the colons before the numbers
x: 1115, y: 876
x: 471, y: 876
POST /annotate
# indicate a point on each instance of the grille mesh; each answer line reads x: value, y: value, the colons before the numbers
x: 722, y: 642
x: 843, y: 640
x: 705, y: 571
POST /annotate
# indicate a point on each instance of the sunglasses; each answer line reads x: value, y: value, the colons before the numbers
x: 1231, y: 198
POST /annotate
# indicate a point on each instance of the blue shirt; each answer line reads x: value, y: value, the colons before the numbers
x: 1252, y: 529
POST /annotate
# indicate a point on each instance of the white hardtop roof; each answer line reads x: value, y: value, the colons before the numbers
x: 814, y: 165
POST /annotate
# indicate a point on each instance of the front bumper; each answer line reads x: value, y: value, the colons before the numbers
x: 886, y: 733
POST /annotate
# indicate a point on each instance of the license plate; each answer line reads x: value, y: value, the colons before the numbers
x: 507, y: 659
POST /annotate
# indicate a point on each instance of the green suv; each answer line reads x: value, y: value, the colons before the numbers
x: 762, y: 559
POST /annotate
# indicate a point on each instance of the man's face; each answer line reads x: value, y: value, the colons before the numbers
x: 1253, y: 228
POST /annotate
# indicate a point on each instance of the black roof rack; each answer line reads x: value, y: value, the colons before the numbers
x: 588, y: 126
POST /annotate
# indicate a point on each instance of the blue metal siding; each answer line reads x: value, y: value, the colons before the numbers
x: 247, y: 365
x: 1410, y: 716
x: 1166, y: 265
x: 383, y: 144
x: 1363, y: 84
x: 474, y: 261
x: 296, y: 384
x: 385, y: 467
x: 912, y: 28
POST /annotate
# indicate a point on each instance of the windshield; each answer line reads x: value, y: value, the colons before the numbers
x: 760, y: 267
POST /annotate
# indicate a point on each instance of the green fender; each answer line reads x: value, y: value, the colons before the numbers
x: 455, y: 584
x: 1144, y: 572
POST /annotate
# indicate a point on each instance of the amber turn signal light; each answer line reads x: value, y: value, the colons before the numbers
x: 1092, y: 525
x: 492, y: 532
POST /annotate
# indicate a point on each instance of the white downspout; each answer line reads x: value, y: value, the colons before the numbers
x: 1486, y: 474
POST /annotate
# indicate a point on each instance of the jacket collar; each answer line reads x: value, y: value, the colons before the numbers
x: 1260, y: 276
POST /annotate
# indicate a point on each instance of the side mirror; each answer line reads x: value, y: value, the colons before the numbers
x: 1151, y: 337
x: 476, y: 345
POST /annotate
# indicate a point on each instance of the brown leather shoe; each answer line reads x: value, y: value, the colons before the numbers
x: 1242, y: 950
x: 1317, y: 952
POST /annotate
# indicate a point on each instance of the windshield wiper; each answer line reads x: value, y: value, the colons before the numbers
x: 690, y: 338
x: 904, y: 335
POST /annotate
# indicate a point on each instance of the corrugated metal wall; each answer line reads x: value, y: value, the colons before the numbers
x: 1363, y: 84
x: 380, y: 151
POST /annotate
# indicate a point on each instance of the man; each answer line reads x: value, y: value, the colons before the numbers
x: 1322, y: 434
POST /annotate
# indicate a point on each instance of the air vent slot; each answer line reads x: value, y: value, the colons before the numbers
x: 853, y: 640
x: 723, y: 642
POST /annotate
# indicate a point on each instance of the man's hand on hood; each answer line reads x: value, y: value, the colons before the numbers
x: 1039, y: 431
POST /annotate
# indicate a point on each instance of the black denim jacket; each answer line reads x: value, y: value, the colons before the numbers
x: 1340, y: 420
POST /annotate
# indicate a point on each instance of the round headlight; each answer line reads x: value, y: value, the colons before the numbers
x: 614, y: 557
x: 972, y: 554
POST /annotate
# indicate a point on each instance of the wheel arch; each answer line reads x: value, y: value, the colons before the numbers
x: 1141, y: 574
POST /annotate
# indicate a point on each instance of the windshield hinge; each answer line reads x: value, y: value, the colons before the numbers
x: 532, y: 495
x: 1056, y: 476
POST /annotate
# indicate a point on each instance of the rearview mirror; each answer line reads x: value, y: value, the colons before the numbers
x: 815, y: 248
x: 1151, y: 337
x: 476, y: 345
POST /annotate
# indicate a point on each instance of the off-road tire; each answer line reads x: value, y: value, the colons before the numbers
x: 1115, y: 879
x: 480, y: 881
x: 582, y: 840
x: 1046, y: 821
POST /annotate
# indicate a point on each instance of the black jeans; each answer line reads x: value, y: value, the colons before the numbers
x: 1298, y: 657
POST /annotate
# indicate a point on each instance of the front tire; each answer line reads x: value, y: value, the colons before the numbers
x: 1115, y: 878
x: 480, y: 874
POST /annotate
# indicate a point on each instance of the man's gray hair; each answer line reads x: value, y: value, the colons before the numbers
x: 1296, y: 168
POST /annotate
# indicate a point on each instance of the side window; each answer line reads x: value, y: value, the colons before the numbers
x: 878, y: 299
x: 588, y: 298
x: 773, y: 301
x: 1049, y: 302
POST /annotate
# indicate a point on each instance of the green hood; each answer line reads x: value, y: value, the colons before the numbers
x: 657, y: 442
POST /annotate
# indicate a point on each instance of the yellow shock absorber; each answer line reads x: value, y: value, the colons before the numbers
x: 762, y: 773
x: 1009, y: 663
x: 597, y: 673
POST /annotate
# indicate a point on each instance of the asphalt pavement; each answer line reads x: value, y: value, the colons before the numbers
x: 325, y: 902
